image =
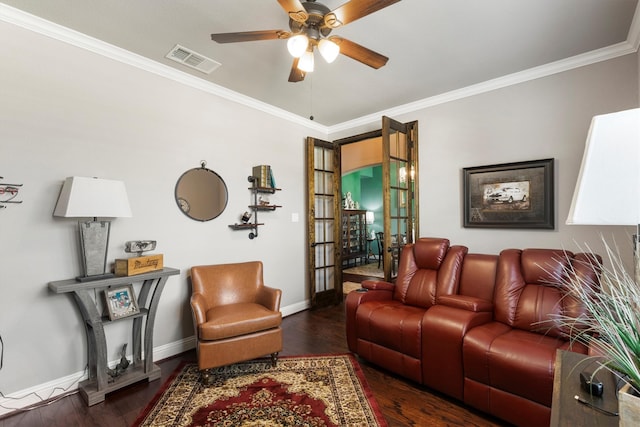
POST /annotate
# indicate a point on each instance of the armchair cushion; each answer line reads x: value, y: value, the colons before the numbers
x: 237, y: 319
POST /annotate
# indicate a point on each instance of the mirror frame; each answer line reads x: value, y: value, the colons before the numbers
x: 180, y: 200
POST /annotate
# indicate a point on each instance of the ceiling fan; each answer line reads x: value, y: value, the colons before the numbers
x: 310, y: 25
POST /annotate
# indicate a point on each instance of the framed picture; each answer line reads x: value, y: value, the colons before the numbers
x: 509, y: 195
x: 121, y: 302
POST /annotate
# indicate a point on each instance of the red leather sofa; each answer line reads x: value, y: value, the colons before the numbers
x: 469, y: 325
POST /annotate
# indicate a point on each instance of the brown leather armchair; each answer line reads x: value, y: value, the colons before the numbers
x: 235, y: 316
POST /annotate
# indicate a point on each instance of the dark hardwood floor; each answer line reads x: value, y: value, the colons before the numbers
x: 402, y: 402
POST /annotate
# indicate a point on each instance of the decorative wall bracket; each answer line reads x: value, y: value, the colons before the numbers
x: 8, y: 193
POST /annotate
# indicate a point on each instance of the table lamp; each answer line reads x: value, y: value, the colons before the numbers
x: 608, y: 187
x: 92, y: 198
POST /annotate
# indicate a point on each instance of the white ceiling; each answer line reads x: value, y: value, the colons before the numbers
x: 435, y: 46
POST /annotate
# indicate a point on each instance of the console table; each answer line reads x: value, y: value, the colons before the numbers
x: 94, y: 389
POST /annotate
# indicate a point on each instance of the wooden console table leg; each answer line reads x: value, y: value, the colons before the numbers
x: 96, y: 339
x: 148, y: 330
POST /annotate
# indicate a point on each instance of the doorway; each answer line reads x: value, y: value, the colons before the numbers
x: 348, y: 221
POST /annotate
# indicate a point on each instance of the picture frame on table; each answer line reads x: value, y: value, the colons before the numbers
x: 509, y: 195
x: 121, y: 302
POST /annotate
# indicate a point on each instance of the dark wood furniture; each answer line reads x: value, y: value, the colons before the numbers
x: 94, y: 389
x: 565, y: 409
x: 354, y: 235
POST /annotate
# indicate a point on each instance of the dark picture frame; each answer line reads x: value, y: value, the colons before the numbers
x: 121, y: 302
x: 509, y: 195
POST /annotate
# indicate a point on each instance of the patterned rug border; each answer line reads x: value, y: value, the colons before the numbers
x: 359, y: 373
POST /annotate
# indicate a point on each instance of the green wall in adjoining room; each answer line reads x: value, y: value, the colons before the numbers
x: 365, y: 186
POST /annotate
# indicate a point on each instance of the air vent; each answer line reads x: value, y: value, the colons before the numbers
x: 192, y: 59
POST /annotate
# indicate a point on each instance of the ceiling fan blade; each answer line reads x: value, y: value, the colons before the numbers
x: 249, y: 36
x: 355, y: 9
x: 360, y: 53
x: 296, y: 74
x: 295, y: 10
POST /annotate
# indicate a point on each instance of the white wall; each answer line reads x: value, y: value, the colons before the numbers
x: 65, y: 111
x: 90, y: 116
x: 544, y: 118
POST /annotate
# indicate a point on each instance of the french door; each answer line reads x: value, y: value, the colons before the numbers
x: 399, y: 190
x: 324, y: 197
x: 323, y: 205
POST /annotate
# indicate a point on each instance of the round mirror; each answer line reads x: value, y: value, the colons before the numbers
x: 201, y: 194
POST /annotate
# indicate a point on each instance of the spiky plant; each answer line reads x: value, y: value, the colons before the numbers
x: 612, y: 326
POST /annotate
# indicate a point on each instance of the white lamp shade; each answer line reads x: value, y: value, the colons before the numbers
x: 92, y: 197
x: 608, y: 188
x: 297, y: 45
x: 306, y: 62
x: 329, y: 50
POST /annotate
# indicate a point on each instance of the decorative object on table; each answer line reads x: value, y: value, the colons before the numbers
x: 608, y: 193
x: 328, y: 390
x: 122, y: 365
x: 140, y: 264
x: 201, y: 194
x: 509, y: 195
x: 8, y: 193
x: 139, y: 246
x: 120, y: 302
x: 93, y: 198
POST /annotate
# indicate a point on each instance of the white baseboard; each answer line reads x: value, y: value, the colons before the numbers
x: 60, y: 386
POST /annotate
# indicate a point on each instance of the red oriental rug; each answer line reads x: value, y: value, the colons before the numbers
x: 300, y: 391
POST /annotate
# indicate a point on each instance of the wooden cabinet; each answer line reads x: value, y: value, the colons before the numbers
x: 354, y: 235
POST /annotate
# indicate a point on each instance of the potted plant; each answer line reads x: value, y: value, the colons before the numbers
x: 611, y: 329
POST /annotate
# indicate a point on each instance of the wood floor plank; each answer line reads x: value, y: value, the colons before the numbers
x: 402, y: 402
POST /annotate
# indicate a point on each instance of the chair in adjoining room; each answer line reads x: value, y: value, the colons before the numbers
x: 380, y: 239
x: 235, y: 316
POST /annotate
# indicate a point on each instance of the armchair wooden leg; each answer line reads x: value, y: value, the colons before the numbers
x: 274, y: 359
x: 206, y: 377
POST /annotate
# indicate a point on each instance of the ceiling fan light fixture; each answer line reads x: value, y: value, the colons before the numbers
x: 297, y: 45
x: 329, y: 50
x: 306, y: 62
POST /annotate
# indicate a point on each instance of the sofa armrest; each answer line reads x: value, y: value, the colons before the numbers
x: 464, y: 302
x: 269, y: 297
x: 378, y: 285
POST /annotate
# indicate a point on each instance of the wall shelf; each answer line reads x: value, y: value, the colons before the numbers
x: 256, y: 207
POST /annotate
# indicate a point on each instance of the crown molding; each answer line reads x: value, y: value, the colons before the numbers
x: 58, y: 32
x: 604, y: 54
x: 75, y: 38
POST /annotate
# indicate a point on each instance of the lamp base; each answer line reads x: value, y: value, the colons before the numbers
x: 94, y: 241
x: 103, y: 276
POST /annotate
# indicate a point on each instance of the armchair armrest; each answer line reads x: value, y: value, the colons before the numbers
x: 199, y: 309
x: 269, y: 297
x: 464, y: 302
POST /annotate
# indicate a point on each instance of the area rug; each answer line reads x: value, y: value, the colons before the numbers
x: 326, y: 390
